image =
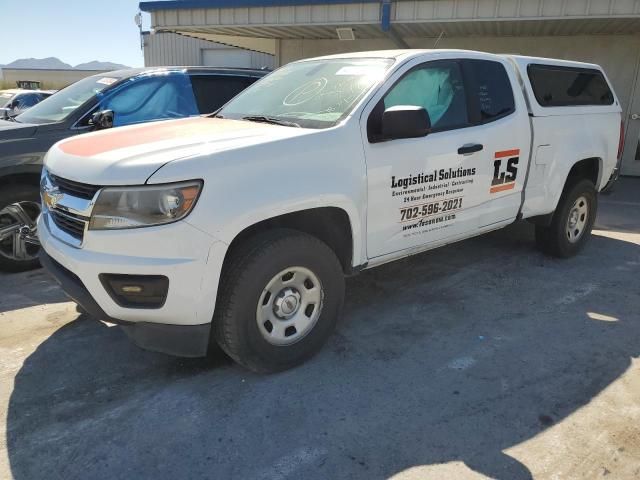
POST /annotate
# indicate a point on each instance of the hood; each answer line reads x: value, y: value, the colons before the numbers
x: 130, y: 155
x: 15, y: 130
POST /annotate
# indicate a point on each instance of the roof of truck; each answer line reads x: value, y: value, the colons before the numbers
x: 403, y: 53
x: 413, y: 52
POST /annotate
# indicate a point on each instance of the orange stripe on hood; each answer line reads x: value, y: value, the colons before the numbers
x: 89, y: 145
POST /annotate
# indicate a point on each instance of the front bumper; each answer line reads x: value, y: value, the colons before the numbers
x: 178, y: 340
x: 189, y: 258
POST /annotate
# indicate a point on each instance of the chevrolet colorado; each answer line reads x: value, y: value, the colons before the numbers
x: 238, y: 229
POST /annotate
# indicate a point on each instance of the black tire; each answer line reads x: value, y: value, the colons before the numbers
x: 246, y: 275
x: 554, y: 240
x: 10, y: 194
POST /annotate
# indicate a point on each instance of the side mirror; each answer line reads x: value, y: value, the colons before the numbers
x: 405, y: 121
x: 102, y: 119
x: 5, y: 113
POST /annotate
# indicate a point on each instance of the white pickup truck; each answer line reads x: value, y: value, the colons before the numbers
x: 238, y: 228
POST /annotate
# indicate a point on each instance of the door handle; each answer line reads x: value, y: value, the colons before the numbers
x: 469, y: 149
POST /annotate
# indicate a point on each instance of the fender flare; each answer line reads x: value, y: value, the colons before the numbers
x: 269, y: 212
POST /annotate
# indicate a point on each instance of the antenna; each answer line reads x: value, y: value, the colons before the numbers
x: 138, y: 21
x: 435, y: 45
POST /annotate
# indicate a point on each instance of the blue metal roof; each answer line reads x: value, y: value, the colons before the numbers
x: 184, y: 4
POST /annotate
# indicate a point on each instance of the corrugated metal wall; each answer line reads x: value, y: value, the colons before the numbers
x: 170, y: 49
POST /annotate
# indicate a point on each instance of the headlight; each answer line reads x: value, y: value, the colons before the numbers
x: 143, y: 206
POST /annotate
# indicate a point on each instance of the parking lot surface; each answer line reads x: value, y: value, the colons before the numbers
x: 483, y: 359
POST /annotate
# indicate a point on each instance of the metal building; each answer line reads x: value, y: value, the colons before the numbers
x: 171, y: 49
x: 600, y: 31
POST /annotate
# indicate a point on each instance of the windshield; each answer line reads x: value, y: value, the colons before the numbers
x: 311, y: 94
x: 5, y: 98
x: 62, y: 104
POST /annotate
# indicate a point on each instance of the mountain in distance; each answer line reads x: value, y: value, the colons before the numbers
x: 50, y: 62
x: 96, y: 65
x: 57, y: 64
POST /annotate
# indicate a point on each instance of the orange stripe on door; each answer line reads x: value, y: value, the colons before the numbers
x: 508, y: 153
x: 501, y: 188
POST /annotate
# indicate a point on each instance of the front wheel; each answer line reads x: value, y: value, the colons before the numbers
x: 19, y: 210
x: 572, y: 221
x: 280, y: 297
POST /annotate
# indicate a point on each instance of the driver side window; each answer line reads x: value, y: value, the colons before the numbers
x: 155, y: 98
x: 436, y: 86
x: 439, y: 89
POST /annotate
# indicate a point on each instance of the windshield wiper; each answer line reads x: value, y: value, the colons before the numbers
x: 272, y: 120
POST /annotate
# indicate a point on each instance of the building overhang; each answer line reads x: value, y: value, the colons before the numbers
x: 258, y: 24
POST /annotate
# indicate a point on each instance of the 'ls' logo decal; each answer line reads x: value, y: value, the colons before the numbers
x: 504, y: 174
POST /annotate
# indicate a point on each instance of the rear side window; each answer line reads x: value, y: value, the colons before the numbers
x: 213, y: 91
x: 491, y: 88
x: 556, y: 86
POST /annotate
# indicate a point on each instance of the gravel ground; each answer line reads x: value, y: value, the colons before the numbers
x: 481, y: 359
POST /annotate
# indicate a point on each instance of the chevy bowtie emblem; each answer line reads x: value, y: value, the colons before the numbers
x: 51, y: 197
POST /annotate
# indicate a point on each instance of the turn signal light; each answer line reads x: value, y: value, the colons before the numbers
x: 136, y: 291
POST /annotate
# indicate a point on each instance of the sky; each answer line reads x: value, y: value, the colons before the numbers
x: 75, y: 31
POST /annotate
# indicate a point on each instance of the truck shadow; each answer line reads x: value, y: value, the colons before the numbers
x: 453, y: 355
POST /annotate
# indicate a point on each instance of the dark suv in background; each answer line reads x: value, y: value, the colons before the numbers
x: 112, y: 99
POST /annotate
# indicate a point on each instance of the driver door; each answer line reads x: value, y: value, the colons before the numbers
x: 424, y: 190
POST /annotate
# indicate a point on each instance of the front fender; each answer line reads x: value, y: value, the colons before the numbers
x: 248, y: 185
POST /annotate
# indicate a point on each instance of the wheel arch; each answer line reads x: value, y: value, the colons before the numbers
x: 26, y: 175
x: 331, y: 224
x: 589, y: 168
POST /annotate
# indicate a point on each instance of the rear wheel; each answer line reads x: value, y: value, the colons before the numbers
x: 19, y: 210
x: 281, y: 295
x: 572, y: 221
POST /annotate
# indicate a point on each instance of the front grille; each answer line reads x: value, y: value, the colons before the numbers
x: 69, y: 223
x: 76, y: 189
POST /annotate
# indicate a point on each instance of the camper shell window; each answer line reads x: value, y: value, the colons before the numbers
x: 556, y: 86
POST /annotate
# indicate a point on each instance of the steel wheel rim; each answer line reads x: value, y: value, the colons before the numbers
x: 289, y: 306
x: 578, y: 219
x: 18, y: 231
